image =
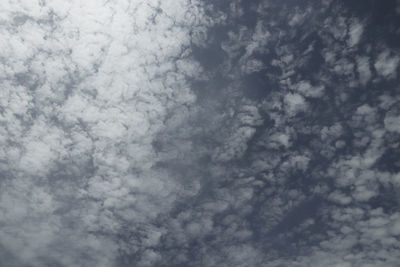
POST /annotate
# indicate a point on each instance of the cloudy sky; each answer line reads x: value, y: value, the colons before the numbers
x: 199, y: 133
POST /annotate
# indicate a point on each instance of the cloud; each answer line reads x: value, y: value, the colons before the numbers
x: 310, y: 91
x: 363, y: 69
x: 88, y: 87
x: 295, y: 103
x: 355, y: 33
x: 386, y: 64
x: 121, y: 145
x: 392, y: 119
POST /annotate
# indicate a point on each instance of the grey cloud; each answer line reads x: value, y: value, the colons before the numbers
x: 199, y: 133
x: 93, y: 83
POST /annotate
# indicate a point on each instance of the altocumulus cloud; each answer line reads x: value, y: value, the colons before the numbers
x: 199, y: 133
x: 85, y: 89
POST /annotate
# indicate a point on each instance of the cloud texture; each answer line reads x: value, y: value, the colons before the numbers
x: 199, y: 133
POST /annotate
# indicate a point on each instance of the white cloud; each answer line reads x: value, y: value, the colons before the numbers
x: 308, y: 90
x: 340, y: 198
x: 108, y: 156
x: 295, y: 103
x: 89, y: 73
x: 355, y: 33
x: 236, y: 145
x: 386, y: 64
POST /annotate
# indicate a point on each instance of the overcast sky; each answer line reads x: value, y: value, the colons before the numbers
x: 199, y: 133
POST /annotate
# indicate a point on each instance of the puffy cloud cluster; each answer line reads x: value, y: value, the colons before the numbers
x: 198, y: 133
x: 85, y: 89
x: 320, y: 165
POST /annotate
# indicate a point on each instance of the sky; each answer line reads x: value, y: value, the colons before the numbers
x: 182, y: 133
